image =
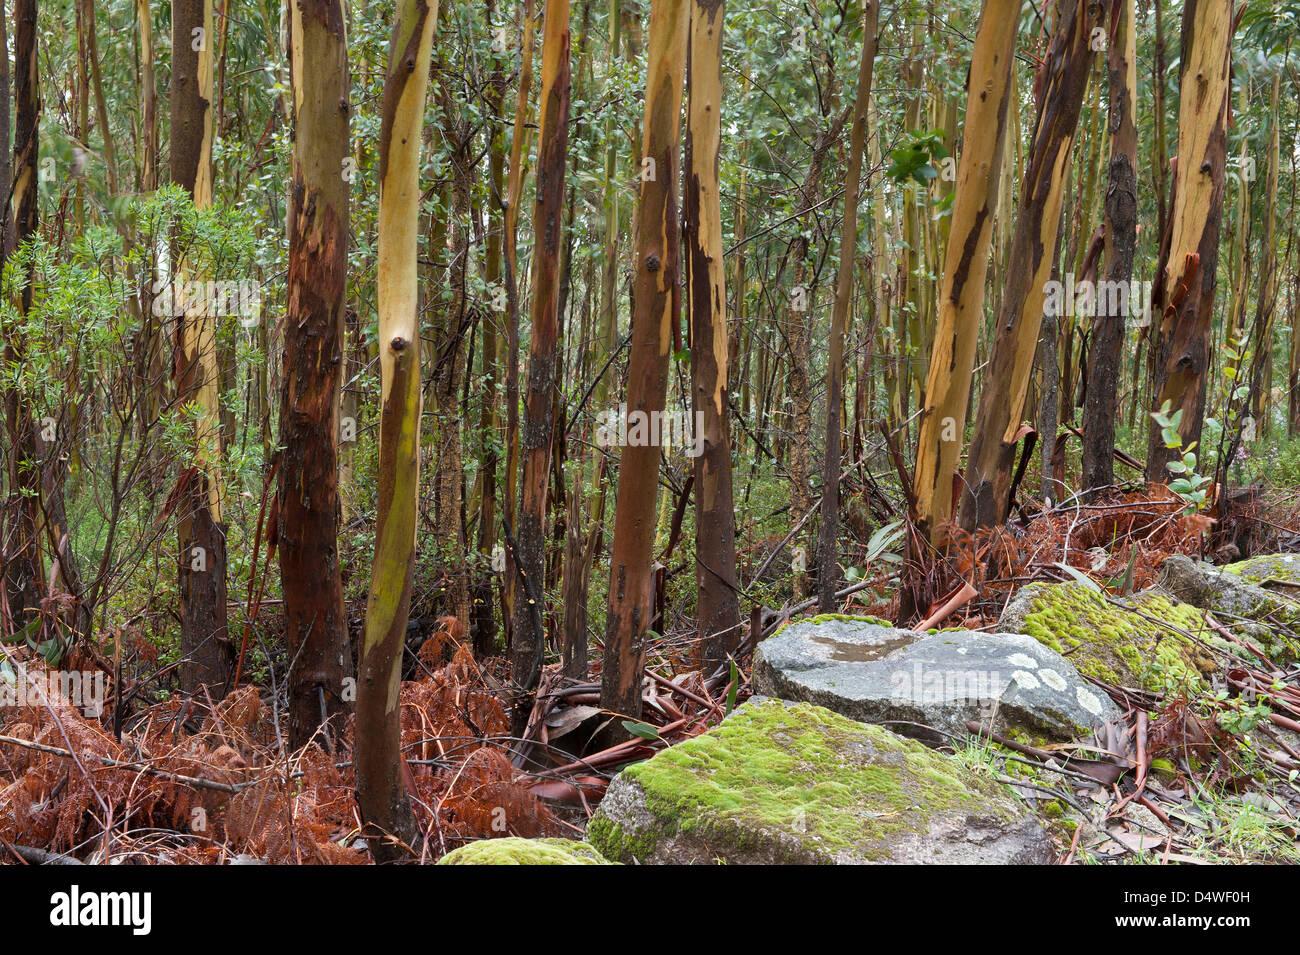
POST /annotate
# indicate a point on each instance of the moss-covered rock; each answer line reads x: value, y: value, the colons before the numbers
x: 1267, y: 567
x: 513, y: 851
x: 1250, y: 598
x: 796, y: 783
x: 1141, y: 644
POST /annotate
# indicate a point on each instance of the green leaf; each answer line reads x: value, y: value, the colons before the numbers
x: 25, y: 634
x: 883, y: 539
x: 925, y: 173
x: 1079, y: 576
x: 643, y: 730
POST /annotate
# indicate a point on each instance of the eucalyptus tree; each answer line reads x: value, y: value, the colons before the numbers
x: 1098, y: 468
x: 538, y: 425
x: 308, y: 492
x: 656, y: 307
x: 1190, y: 261
x: 961, y: 295
x: 381, y: 791
x: 207, y: 655
x: 987, y: 487
x: 827, y: 551
x: 717, y: 608
x: 22, y: 570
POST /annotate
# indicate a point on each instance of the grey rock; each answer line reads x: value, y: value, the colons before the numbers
x: 878, y: 674
x: 782, y: 783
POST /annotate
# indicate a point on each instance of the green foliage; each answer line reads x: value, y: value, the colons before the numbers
x: 1189, y: 485
x: 915, y: 158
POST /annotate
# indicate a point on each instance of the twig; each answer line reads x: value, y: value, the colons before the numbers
x: 34, y: 856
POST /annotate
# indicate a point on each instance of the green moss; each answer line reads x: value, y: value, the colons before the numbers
x: 799, y: 771
x: 513, y: 851
x: 850, y: 618
x: 827, y: 617
x: 617, y: 843
x: 1118, y: 644
x: 1256, y: 570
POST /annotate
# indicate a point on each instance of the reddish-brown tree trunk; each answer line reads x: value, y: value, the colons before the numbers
x: 527, y: 641
x: 308, y: 493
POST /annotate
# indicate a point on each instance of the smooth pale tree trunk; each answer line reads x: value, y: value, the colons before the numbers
x: 381, y: 792
x: 656, y: 303
x: 1108, y: 326
x: 308, y: 492
x: 961, y: 298
x: 23, y: 556
x: 718, y: 603
x: 986, y: 494
x: 828, y: 535
x: 205, y: 649
x: 527, y: 640
x: 1183, y: 343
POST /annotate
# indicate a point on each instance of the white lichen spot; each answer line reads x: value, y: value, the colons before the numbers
x: 1088, y: 700
x: 1026, y: 680
x: 1023, y: 660
x: 1052, y: 679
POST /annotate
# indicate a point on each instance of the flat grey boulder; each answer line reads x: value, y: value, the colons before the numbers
x: 781, y: 783
x: 878, y: 674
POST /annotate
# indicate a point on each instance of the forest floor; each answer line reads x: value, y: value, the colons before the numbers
x: 1209, y: 778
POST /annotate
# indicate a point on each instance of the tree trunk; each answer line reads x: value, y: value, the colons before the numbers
x: 798, y: 338
x: 1268, y: 272
x: 827, y: 550
x: 1108, y: 327
x: 985, y: 497
x: 22, y: 568
x: 381, y: 792
x: 655, y: 310
x: 1183, y: 344
x: 608, y: 338
x: 207, y: 654
x: 315, y: 623
x: 718, y: 604
x: 451, y: 327
x: 527, y: 641
x: 514, y: 196
x: 484, y: 620
x: 961, y: 299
